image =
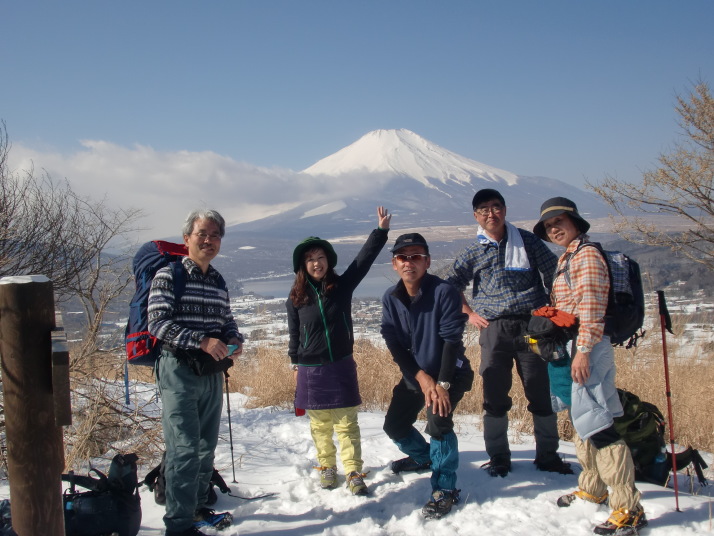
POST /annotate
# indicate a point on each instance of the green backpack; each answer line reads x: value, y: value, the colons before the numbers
x: 642, y: 427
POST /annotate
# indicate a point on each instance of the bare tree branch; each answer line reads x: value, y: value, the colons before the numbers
x: 680, y: 187
x: 80, y: 244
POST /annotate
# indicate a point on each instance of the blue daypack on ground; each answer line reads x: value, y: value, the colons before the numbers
x: 141, y: 347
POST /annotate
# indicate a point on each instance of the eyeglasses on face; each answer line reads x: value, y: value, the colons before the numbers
x: 202, y: 236
x: 412, y: 258
x: 485, y: 211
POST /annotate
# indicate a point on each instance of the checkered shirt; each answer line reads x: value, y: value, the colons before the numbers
x: 586, y: 296
x: 499, y: 292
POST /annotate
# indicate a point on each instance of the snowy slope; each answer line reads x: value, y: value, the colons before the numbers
x: 273, y: 452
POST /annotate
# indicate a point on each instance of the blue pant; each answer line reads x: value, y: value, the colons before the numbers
x: 443, y: 447
x: 190, y: 417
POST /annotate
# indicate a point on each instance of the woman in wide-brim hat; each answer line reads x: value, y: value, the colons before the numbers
x: 581, y: 287
x: 320, y: 349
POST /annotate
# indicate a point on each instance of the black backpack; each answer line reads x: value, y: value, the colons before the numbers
x: 156, y: 482
x: 112, y: 504
x: 642, y: 427
x: 6, y: 519
x: 625, y: 313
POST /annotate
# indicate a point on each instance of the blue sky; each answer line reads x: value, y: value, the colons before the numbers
x: 571, y: 90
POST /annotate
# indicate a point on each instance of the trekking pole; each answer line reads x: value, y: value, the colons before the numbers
x: 127, y: 400
x: 666, y: 324
x: 230, y: 429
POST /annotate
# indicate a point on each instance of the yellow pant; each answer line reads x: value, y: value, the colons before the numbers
x: 343, y: 421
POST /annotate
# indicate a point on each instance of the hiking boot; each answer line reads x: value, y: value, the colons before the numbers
x: 328, y: 477
x: 356, y: 483
x: 622, y: 523
x: 440, y: 503
x: 567, y: 500
x: 554, y: 464
x: 206, y: 517
x: 193, y: 531
x: 409, y: 464
x: 498, y: 465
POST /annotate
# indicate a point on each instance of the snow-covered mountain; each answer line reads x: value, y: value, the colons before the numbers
x: 402, y: 153
x: 420, y: 182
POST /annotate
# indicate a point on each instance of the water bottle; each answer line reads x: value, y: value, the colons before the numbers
x: 660, y: 458
x: 561, y: 352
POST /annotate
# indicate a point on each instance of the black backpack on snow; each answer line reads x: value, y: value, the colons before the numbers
x: 156, y: 482
x: 642, y: 427
x: 111, y: 505
x: 625, y: 313
x: 6, y: 519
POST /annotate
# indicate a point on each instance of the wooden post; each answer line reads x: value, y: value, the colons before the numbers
x: 60, y: 375
x: 34, y: 442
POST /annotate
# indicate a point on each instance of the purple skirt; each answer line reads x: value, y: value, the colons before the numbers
x: 329, y: 386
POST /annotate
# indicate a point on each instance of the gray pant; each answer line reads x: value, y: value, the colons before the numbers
x: 190, y: 417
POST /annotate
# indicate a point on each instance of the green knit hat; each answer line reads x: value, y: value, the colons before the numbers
x: 313, y: 242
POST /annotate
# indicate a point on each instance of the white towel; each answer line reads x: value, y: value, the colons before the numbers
x: 516, y: 257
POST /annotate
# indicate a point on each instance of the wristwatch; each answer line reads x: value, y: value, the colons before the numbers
x: 445, y: 385
x: 584, y: 349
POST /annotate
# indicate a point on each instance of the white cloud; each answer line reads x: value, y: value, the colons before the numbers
x: 167, y: 185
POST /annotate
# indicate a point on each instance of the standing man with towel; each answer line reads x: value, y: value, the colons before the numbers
x: 512, y: 272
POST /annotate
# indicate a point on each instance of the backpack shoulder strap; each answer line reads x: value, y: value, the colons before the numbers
x: 217, y: 480
x: 566, y: 269
x: 87, y: 481
x: 699, y: 466
x: 151, y: 476
x: 687, y: 457
x: 179, y: 276
x: 222, y: 282
x: 179, y: 279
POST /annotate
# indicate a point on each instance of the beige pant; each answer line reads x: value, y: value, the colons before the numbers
x: 342, y: 421
x: 611, y: 467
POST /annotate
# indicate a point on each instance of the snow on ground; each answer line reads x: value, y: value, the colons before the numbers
x: 273, y: 452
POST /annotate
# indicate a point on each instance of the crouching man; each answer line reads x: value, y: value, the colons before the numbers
x: 422, y: 325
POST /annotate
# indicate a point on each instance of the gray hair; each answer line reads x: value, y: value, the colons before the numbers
x: 204, y: 214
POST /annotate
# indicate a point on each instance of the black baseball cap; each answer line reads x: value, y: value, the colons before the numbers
x: 410, y: 239
x: 487, y: 194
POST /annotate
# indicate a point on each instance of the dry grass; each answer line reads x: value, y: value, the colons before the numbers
x: 102, y: 422
x: 264, y: 375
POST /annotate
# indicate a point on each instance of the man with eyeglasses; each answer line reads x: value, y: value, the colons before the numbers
x: 423, y: 325
x: 200, y: 340
x: 511, y: 271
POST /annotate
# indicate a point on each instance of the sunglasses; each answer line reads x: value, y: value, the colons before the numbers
x: 413, y: 258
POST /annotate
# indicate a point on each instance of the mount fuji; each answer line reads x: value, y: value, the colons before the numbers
x: 421, y: 183
x: 402, y: 153
x: 427, y: 188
